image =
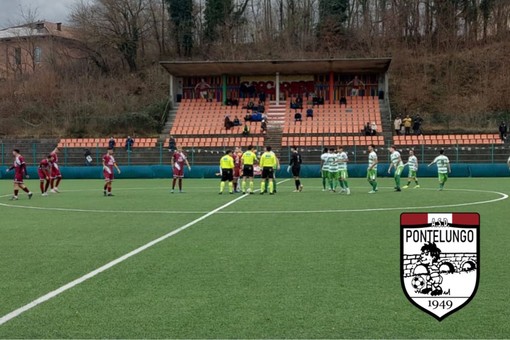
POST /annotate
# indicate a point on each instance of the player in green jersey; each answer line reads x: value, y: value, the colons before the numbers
x: 324, y: 169
x: 396, y: 162
x: 342, y: 166
x: 412, y: 163
x: 372, y: 168
x: 443, y: 168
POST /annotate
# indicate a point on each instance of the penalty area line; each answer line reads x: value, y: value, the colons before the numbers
x: 58, y: 291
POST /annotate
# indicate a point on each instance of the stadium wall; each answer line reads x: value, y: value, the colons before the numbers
x: 307, y: 171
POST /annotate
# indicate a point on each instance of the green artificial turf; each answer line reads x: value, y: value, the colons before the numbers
x: 293, y: 265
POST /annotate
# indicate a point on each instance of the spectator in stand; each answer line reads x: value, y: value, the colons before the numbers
x: 236, y: 121
x: 111, y: 143
x: 88, y: 157
x: 373, y: 129
x: 228, y: 123
x: 263, y: 126
x: 129, y: 144
x: 407, y: 121
x: 262, y: 97
x: 356, y: 84
x: 397, y: 125
x: 232, y: 102
x: 172, y: 145
x: 503, y: 129
x: 261, y: 107
x: 299, y: 102
x: 247, y: 118
x: 203, y: 88
x: 309, y: 113
x: 298, y: 117
x: 343, y: 101
x: 367, y: 130
x: 417, y: 121
x: 246, y: 130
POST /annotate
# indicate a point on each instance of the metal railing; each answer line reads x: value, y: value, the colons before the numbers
x: 34, y: 152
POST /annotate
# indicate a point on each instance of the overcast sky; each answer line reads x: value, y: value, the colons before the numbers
x: 51, y: 10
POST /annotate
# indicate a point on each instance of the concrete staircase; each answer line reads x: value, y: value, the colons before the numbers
x: 387, y: 123
x: 169, y: 122
x: 275, y: 121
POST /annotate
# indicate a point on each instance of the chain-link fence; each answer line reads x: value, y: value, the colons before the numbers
x: 35, y: 151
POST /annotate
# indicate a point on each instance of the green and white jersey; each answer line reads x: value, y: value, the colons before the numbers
x: 442, y: 164
x: 413, y: 163
x: 325, y: 165
x: 372, y: 158
x: 342, y: 161
x: 396, y: 160
x: 332, y: 161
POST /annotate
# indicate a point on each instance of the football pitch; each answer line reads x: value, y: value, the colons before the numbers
x: 293, y: 265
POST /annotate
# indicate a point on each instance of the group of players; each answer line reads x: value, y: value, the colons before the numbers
x: 48, y: 171
x: 50, y: 175
x: 237, y: 164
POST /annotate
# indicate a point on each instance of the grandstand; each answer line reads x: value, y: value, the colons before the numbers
x: 197, y: 124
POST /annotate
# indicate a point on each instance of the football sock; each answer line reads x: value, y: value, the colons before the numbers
x: 52, y: 181
x: 346, y: 185
x: 251, y: 186
x: 230, y: 186
x: 342, y: 184
x: 222, y: 186
x: 109, y: 189
x: 397, y: 180
x: 105, y: 187
x: 415, y: 181
x: 180, y: 184
x: 409, y: 182
x: 16, y: 192
x: 25, y: 189
x: 41, y: 185
x: 46, y: 186
x: 374, y: 185
x: 271, y: 187
x: 243, y: 185
x: 58, y: 182
x: 324, y: 183
x: 173, y: 183
x: 262, y: 186
x: 296, y: 184
x: 274, y: 184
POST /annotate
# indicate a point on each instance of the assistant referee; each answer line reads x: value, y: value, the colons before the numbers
x: 268, y: 162
x: 227, y: 171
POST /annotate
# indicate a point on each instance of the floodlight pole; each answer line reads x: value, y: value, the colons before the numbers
x: 277, y: 85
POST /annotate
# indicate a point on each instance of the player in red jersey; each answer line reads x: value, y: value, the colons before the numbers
x: 55, y: 174
x: 20, y: 171
x: 44, y: 172
x: 178, y: 161
x: 237, y: 167
x: 108, y: 165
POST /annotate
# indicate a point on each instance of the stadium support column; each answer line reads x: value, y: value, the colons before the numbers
x: 331, y: 87
x: 171, y: 90
x: 277, y: 88
x: 224, y: 89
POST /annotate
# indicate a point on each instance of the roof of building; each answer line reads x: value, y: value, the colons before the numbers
x: 266, y: 67
x: 38, y: 29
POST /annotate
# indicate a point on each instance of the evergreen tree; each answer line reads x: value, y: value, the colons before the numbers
x: 181, y: 15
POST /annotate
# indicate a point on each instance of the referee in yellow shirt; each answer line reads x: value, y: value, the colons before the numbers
x: 268, y: 163
x: 227, y: 171
x: 248, y: 161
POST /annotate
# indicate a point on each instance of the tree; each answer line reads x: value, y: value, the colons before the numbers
x: 221, y: 17
x: 120, y: 23
x: 181, y: 15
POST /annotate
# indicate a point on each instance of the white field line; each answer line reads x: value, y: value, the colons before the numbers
x: 111, y: 264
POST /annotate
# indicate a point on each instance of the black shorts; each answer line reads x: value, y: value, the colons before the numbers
x: 267, y: 172
x: 227, y: 175
x: 248, y: 171
x: 296, y: 170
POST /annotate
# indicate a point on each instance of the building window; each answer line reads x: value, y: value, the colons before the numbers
x: 37, y: 54
x: 17, y: 55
